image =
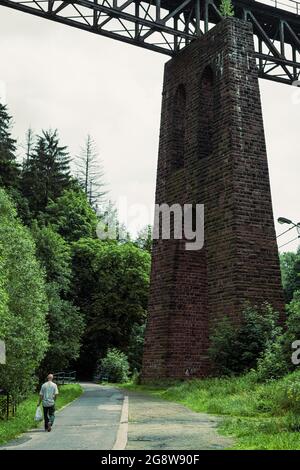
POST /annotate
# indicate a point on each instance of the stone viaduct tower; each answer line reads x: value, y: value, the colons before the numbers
x: 212, y: 152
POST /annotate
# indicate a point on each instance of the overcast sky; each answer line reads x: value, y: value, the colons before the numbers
x: 56, y: 76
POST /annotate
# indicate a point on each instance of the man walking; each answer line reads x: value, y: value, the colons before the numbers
x: 48, y: 394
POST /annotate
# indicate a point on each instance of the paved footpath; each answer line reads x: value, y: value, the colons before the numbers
x: 90, y: 422
x: 156, y: 424
x: 93, y: 422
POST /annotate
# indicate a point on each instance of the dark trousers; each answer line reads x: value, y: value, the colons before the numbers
x: 49, y: 415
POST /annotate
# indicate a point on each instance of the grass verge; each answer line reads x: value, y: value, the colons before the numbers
x: 260, y: 416
x: 24, y: 419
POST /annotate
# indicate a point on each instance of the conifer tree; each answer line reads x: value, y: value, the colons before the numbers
x: 46, y: 173
x: 90, y: 172
x: 29, y: 144
x: 9, y: 169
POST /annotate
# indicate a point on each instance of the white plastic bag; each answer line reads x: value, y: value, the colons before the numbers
x: 38, y: 414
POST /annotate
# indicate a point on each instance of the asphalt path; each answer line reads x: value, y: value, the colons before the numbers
x: 156, y: 424
x: 89, y: 423
x: 103, y: 418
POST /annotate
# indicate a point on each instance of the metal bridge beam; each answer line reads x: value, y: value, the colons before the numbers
x: 167, y: 26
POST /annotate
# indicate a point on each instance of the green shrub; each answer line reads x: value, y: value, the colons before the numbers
x: 290, y: 274
x: 272, y: 364
x: 115, y: 366
x: 226, y: 8
x: 289, y: 394
x: 276, y: 360
x: 236, y: 348
x: 136, y: 377
x: 220, y: 351
x: 292, y: 332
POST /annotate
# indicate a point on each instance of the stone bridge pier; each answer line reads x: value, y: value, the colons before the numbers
x: 212, y: 152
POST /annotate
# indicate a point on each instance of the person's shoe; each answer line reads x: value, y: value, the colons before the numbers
x: 49, y: 427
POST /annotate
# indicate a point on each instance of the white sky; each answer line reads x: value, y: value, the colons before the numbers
x: 60, y: 77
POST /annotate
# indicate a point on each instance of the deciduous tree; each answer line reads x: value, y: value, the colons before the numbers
x: 65, y: 321
x: 24, y: 302
x: 111, y: 283
x: 72, y: 216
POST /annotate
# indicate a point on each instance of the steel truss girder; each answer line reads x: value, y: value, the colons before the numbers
x: 131, y: 21
x: 167, y: 26
x: 277, y: 40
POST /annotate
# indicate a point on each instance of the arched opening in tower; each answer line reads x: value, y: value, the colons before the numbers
x: 206, y: 118
x: 178, y: 128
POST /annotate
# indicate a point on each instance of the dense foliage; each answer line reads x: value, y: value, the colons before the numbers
x: 23, y: 302
x: 111, y: 287
x: 276, y: 360
x: 46, y: 171
x: 64, y: 318
x: 72, y: 216
x: 290, y: 273
x: 114, y: 366
x: 236, y: 348
x: 9, y: 169
x: 66, y: 297
x: 135, y: 347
